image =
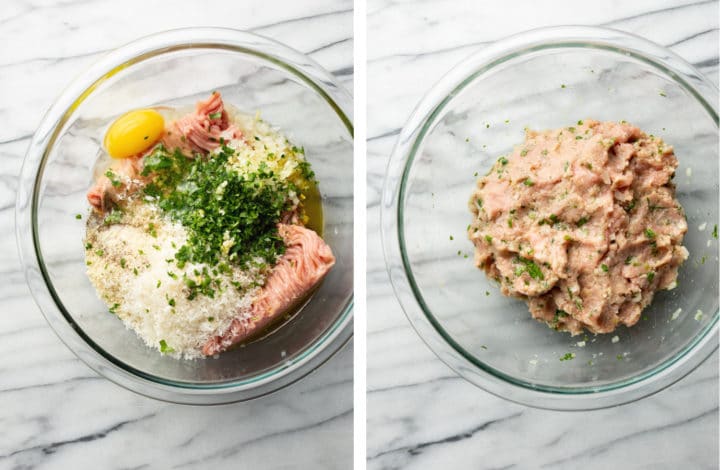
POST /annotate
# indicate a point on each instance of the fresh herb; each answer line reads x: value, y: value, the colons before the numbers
x: 649, y: 233
x: 215, y: 115
x: 503, y: 161
x: 164, y: 348
x: 580, y: 123
x: 528, y: 182
x: 88, y: 246
x: 122, y: 263
x: 114, y: 217
x: 562, y: 86
x: 211, y: 318
x: 650, y: 276
x: 714, y: 232
x: 628, y: 260
x: 152, y: 230
x: 523, y: 152
x: 488, y: 238
x: 604, y: 267
x: 78, y: 216
x: 662, y: 93
x: 558, y: 315
x: 100, y: 252
x: 135, y: 271
x: 583, y: 220
x: 630, y: 205
x: 451, y: 238
x: 568, y: 357
x: 170, y: 301
x: 111, y: 176
x: 113, y: 309
x: 530, y: 267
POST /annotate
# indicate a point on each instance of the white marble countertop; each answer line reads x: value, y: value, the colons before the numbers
x: 420, y: 414
x: 54, y: 411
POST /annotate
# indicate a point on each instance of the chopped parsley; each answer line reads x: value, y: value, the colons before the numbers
x: 583, y: 220
x: 215, y: 115
x: 604, y: 267
x: 113, y: 309
x: 528, y: 182
x: 112, y: 177
x: 650, y: 276
x: 714, y: 232
x: 488, y: 238
x: 78, y: 216
x: 164, y: 348
x: 649, y: 233
x: 568, y: 357
x: 630, y: 205
x: 122, y: 263
x: 503, y: 161
x: 529, y: 267
x: 113, y: 217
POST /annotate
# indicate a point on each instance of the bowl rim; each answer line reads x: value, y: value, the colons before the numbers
x: 402, y: 279
x: 306, y: 70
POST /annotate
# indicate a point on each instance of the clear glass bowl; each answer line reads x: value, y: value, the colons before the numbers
x: 542, y: 79
x: 177, y: 68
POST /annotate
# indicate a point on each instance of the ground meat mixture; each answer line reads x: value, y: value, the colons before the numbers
x: 582, y: 223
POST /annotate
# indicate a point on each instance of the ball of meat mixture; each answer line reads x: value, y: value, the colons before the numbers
x: 582, y: 223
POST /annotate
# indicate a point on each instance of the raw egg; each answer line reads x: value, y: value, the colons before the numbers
x: 134, y: 132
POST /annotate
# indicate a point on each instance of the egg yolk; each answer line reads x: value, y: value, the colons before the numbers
x: 134, y: 132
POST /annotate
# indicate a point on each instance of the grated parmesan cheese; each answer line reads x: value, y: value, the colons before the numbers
x: 131, y: 271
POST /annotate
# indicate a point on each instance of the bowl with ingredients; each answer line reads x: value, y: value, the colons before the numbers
x: 549, y: 218
x: 184, y: 217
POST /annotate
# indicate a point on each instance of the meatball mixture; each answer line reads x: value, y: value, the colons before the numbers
x: 582, y: 223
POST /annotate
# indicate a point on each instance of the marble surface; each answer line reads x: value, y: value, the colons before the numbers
x: 54, y: 411
x: 420, y: 415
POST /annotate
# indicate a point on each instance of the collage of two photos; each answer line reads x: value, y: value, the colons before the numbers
x: 337, y: 234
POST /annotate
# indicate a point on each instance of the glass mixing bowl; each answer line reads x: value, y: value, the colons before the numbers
x: 177, y: 68
x: 543, y: 79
